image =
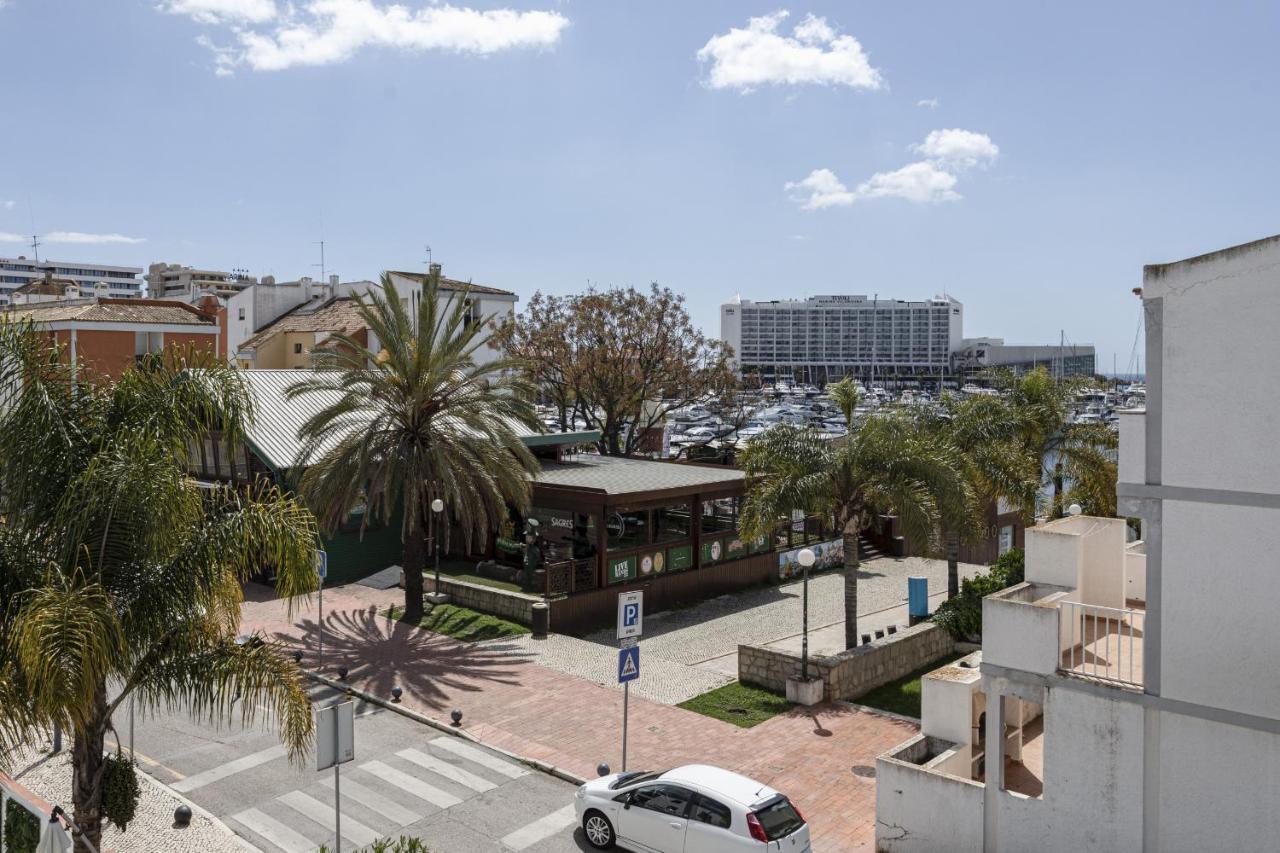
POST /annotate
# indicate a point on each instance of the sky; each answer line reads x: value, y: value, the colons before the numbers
x: 1025, y: 158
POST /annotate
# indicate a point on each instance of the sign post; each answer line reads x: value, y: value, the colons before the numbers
x: 335, y: 746
x: 322, y: 569
x: 630, y: 626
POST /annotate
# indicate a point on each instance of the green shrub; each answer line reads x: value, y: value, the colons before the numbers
x: 120, y: 790
x: 21, y: 829
x: 403, y: 844
x: 961, y: 616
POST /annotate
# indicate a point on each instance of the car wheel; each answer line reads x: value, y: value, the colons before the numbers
x: 598, y: 830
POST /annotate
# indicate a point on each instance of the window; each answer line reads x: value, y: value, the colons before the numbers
x: 719, y: 515
x: 568, y: 535
x: 779, y: 818
x: 671, y: 523
x: 241, y: 314
x: 667, y: 799
x: 297, y: 349
x: 709, y: 811
x: 627, y: 529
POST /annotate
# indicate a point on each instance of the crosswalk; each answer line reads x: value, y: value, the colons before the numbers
x: 381, y: 797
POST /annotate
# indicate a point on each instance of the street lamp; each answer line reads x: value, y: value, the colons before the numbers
x: 437, y: 506
x: 1075, y: 509
x: 806, y: 558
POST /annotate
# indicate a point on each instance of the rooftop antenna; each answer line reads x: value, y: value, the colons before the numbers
x: 35, y: 246
x: 323, y: 277
x: 429, y: 257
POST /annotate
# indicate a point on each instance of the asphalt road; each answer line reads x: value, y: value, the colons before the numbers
x: 406, y: 779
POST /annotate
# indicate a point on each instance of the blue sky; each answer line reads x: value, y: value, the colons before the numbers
x: 555, y: 144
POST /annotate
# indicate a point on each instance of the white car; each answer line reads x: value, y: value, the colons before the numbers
x: 692, y: 809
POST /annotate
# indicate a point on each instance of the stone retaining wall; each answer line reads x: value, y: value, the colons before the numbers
x: 516, y: 606
x: 851, y: 673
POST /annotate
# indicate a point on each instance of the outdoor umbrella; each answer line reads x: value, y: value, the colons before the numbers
x: 54, y: 839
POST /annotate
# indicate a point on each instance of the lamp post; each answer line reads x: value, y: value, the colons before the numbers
x: 806, y: 558
x: 437, y: 507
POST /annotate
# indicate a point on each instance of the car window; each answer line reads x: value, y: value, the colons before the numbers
x: 667, y: 799
x: 778, y: 818
x: 709, y: 811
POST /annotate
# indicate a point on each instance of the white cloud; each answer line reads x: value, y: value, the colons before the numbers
x: 958, y: 148
x: 758, y: 54
x: 10, y: 237
x: 81, y: 237
x: 323, y: 32
x: 217, y: 11
x: 8, y: 204
x: 948, y: 153
x: 931, y: 103
x: 821, y: 189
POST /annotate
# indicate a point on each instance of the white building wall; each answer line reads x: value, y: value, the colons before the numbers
x: 1092, y: 798
x: 922, y: 812
x: 1218, y: 787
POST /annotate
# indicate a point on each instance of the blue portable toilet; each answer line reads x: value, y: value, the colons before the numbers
x: 917, y: 599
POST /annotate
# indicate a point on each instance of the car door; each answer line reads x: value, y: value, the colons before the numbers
x: 711, y: 828
x: 654, y: 818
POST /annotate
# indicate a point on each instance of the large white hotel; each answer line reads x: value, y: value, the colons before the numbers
x: 121, y: 282
x: 823, y: 338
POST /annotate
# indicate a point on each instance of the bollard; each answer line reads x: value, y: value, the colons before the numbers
x: 602, y: 769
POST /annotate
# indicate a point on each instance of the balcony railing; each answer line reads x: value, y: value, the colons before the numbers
x: 1104, y: 643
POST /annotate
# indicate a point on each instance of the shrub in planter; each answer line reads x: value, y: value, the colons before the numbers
x: 21, y: 829
x: 961, y: 617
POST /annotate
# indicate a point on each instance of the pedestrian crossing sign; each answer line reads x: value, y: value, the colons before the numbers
x: 628, y: 664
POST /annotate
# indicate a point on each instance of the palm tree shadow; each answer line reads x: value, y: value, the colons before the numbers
x: 381, y: 653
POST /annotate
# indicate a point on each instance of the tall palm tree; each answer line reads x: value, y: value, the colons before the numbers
x: 120, y: 577
x: 888, y: 465
x: 1081, y: 455
x: 984, y: 431
x: 414, y: 420
x: 845, y: 394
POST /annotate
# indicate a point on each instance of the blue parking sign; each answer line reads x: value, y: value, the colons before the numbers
x: 322, y: 563
x: 628, y: 664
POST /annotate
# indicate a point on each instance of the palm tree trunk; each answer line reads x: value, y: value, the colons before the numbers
x: 1057, y: 490
x: 953, y: 564
x: 415, y: 560
x: 850, y: 589
x: 89, y: 766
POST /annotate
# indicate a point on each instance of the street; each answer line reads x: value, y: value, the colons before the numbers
x: 406, y: 779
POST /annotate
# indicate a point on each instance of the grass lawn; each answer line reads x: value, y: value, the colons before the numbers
x: 737, y: 703
x: 463, y: 623
x: 903, y: 696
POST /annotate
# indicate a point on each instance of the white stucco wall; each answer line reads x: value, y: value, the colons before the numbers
x: 1219, y: 787
x: 1092, y: 797
x: 1020, y: 635
x: 1053, y: 553
x: 946, y: 703
x: 1220, y: 634
x: 922, y: 812
x: 1135, y: 571
x: 1219, y: 348
x: 1133, y: 446
x: 1102, y: 561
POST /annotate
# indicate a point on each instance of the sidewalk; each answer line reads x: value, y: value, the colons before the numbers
x: 508, y: 701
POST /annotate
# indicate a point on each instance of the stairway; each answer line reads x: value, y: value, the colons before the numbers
x: 867, y: 550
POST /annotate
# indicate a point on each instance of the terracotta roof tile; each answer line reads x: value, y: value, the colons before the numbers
x: 336, y: 315
x: 110, y: 311
x: 453, y: 284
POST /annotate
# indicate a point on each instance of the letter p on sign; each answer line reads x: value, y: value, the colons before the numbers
x: 630, y: 614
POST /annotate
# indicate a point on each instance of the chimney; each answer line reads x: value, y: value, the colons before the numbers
x: 208, y: 304
x: 433, y: 270
x: 333, y: 282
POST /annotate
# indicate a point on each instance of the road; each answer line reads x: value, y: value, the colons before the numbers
x: 406, y: 779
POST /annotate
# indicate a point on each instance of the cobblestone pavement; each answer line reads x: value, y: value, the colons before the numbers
x: 678, y: 645
x: 49, y: 776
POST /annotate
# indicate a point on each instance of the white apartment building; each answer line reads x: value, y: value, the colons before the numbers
x: 484, y: 304
x: 174, y: 281
x: 120, y: 282
x: 1127, y: 696
x: 823, y: 338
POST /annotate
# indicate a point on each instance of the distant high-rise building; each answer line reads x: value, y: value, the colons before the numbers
x: 174, y: 281
x: 121, y: 282
x: 823, y: 338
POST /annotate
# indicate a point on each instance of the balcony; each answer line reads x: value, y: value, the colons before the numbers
x: 1079, y: 611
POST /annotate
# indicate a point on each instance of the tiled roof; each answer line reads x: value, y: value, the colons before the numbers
x: 336, y: 315
x: 111, y: 311
x: 47, y: 286
x: 453, y: 284
x: 618, y: 476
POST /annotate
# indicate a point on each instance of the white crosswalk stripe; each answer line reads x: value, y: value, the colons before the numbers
x: 410, y: 784
x: 375, y: 802
x: 222, y: 771
x: 474, y: 754
x: 544, y: 827
x: 449, y: 771
x: 352, y: 829
x: 274, y: 831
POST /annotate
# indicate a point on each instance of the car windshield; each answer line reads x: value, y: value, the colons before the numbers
x: 634, y: 777
x: 778, y: 818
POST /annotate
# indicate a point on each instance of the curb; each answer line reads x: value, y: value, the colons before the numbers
x: 541, y: 766
x: 197, y: 809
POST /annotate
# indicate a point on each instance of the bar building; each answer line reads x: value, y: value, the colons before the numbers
x: 824, y: 338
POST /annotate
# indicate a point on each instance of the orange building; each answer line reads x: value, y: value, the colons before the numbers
x: 106, y: 336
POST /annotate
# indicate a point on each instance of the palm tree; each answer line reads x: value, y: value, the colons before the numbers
x: 888, y: 465
x: 845, y: 394
x: 120, y: 577
x: 415, y: 421
x: 1082, y: 455
x: 984, y: 430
